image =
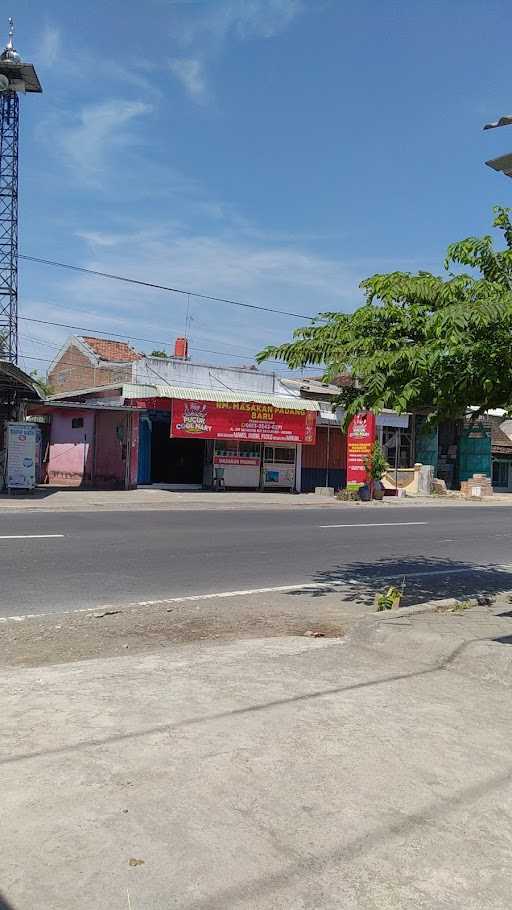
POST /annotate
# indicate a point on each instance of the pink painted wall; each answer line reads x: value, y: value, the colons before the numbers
x: 71, y: 449
x: 112, y: 436
x: 106, y: 441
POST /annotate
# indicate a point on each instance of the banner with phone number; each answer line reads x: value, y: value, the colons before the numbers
x: 242, y: 420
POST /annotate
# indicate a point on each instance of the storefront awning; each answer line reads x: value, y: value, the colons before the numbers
x: 195, y: 394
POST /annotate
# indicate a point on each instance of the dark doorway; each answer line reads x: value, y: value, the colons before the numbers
x: 175, y: 460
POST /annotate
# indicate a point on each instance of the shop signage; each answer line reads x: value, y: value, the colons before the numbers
x: 22, y: 443
x: 235, y: 459
x: 242, y: 420
x: 361, y: 436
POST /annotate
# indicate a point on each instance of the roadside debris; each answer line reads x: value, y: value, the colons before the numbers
x: 106, y: 613
x: 312, y: 634
x: 461, y: 605
x: 135, y: 862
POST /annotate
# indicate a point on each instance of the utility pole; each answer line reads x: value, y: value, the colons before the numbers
x: 15, y: 77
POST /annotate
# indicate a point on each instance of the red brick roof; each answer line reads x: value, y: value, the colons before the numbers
x: 112, y: 351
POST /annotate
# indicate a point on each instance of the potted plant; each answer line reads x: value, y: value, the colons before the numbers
x: 376, y: 466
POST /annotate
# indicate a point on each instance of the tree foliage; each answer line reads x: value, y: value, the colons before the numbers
x: 422, y: 340
x: 41, y: 382
x: 375, y: 463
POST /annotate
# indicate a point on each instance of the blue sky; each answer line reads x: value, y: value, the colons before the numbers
x: 273, y: 151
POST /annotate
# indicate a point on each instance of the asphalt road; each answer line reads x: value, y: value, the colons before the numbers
x: 122, y: 557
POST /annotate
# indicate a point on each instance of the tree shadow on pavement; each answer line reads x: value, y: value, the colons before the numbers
x: 424, y: 578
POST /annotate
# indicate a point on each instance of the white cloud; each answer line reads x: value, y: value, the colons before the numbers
x: 190, y: 73
x: 205, y: 29
x: 50, y: 47
x: 241, y: 19
x: 98, y: 129
x: 99, y: 238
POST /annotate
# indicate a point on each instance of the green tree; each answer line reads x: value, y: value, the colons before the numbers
x: 44, y: 387
x: 422, y: 340
x: 160, y: 354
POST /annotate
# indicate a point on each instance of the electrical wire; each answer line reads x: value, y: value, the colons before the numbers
x: 72, y: 363
x: 163, y: 287
x: 54, y: 304
x: 124, y: 335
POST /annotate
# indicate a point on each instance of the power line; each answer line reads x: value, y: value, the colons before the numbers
x: 78, y: 328
x: 55, y: 305
x: 72, y: 363
x: 163, y: 287
x: 81, y: 328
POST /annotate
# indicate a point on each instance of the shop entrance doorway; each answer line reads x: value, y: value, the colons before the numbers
x: 175, y: 461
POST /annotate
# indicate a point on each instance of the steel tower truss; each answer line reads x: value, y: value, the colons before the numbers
x: 9, y: 135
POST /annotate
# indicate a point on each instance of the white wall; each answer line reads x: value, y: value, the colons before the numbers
x: 157, y: 371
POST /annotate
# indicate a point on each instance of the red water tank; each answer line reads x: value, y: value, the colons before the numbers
x: 181, y: 348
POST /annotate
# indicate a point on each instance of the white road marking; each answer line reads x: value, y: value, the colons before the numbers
x: 376, y: 524
x: 27, y: 536
x: 312, y: 586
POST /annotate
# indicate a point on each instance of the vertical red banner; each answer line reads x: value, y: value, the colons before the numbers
x: 362, y: 433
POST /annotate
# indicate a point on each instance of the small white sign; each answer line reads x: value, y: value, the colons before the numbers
x: 22, y: 439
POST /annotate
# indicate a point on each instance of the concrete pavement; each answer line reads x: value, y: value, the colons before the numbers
x: 66, y: 561
x: 288, y: 773
x: 46, y: 498
x: 57, y: 499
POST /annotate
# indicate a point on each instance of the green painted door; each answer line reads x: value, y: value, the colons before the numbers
x: 474, y: 452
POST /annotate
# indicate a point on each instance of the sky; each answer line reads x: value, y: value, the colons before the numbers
x: 275, y: 152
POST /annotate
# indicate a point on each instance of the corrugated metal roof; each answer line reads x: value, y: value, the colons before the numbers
x: 81, y: 406
x: 134, y: 390
x: 194, y: 394
x: 12, y: 378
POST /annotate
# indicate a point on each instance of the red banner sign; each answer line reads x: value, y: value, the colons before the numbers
x: 242, y: 420
x: 362, y: 433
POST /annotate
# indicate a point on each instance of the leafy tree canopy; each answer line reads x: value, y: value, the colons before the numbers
x: 422, y: 340
x: 162, y: 354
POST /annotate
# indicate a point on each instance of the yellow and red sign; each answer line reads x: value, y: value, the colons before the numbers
x: 362, y: 433
x: 243, y: 420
